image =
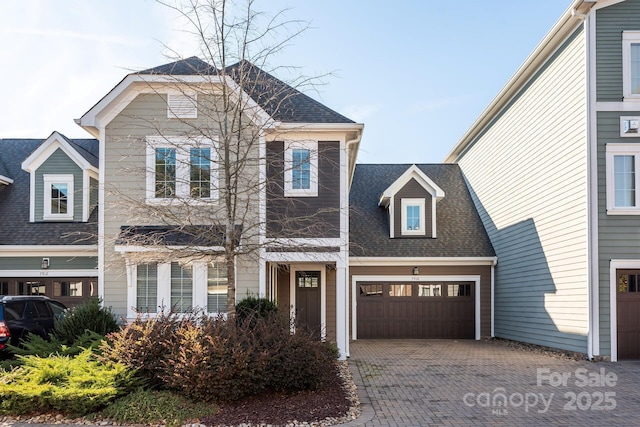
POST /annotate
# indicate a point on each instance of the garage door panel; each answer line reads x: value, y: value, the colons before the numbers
x: 416, y: 310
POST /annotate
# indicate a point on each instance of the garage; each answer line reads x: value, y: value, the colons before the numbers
x: 628, y: 313
x: 419, y: 310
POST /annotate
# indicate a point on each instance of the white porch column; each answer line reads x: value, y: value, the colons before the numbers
x: 342, y: 323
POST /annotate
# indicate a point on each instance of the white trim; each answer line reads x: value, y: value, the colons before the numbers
x: 632, y: 105
x: 32, y: 197
x: 404, y: 204
x: 622, y: 149
x: 312, y: 147
x: 303, y: 241
x: 49, y: 181
x: 426, y: 261
x: 305, y: 257
x: 605, y: 3
x: 593, y: 297
x: 5, y: 180
x: 628, y: 38
x: 48, y: 250
x: 182, y: 146
x: 48, y: 147
x: 614, y: 265
x: 427, y: 278
x: 412, y: 172
x: 342, y: 266
x: 50, y: 273
x: 101, y: 208
x: 493, y: 300
x: 318, y: 127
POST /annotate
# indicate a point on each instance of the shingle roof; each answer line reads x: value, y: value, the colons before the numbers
x: 460, y: 232
x: 281, y: 101
x: 15, y: 228
x: 160, y: 235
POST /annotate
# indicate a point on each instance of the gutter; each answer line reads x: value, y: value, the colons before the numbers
x: 567, y: 23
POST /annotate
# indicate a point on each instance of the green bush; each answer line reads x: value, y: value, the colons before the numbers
x: 35, y: 345
x: 73, y: 386
x: 88, y: 316
x: 254, y: 307
x: 156, y: 407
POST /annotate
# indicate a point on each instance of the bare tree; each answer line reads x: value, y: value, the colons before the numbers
x: 216, y: 171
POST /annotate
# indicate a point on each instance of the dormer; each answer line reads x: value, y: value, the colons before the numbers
x: 63, y: 179
x: 411, y: 202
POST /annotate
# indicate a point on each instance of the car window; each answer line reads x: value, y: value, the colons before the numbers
x: 40, y: 309
x: 58, y: 309
x: 14, y: 310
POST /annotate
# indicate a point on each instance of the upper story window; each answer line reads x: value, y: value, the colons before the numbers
x: 413, y: 217
x: 182, y: 106
x: 301, y: 169
x: 180, y: 167
x: 623, y: 180
x: 631, y: 64
x: 58, y: 197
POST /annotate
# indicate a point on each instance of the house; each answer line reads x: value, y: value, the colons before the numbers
x: 421, y: 264
x: 163, y: 197
x: 552, y: 167
x: 48, y: 231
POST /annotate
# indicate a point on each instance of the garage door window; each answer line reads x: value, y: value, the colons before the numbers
x: 459, y: 290
x: 628, y: 281
x: 370, y: 290
x: 433, y: 290
x: 400, y: 290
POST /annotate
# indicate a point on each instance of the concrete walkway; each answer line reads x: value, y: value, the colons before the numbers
x: 476, y: 383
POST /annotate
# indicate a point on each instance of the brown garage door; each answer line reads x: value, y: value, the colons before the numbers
x: 628, y: 314
x: 416, y: 310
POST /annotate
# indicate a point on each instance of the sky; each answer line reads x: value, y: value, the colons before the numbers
x: 417, y: 73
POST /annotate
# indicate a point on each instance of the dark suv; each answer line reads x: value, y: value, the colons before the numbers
x: 20, y: 315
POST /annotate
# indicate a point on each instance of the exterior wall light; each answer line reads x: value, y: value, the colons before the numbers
x: 45, y: 263
x: 416, y: 271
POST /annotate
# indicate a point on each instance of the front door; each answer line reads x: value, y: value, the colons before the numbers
x: 628, y: 313
x: 308, y: 299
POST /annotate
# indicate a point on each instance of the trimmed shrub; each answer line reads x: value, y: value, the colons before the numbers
x: 254, y: 307
x: 35, y: 345
x: 73, y: 386
x: 88, y: 316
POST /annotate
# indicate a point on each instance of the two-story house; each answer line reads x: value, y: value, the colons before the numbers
x: 48, y: 217
x: 552, y: 164
x: 191, y: 157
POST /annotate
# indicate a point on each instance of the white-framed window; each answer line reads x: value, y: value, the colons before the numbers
x: 631, y: 64
x: 622, y: 178
x: 180, y: 286
x: 58, y: 197
x: 301, y: 169
x: 181, y: 168
x: 182, y: 105
x: 413, y: 217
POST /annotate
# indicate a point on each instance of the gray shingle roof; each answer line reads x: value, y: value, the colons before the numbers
x: 15, y: 228
x: 160, y: 235
x: 281, y: 101
x: 460, y: 232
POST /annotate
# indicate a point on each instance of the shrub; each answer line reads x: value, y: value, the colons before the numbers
x: 74, y: 386
x: 88, y: 316
x: 35, y: 345
x: 156, y: 407
x: 254, y: 307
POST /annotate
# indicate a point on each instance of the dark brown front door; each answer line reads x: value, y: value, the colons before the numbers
x: 628, y: 313
x: 308, y: 299
x: 416, y: 310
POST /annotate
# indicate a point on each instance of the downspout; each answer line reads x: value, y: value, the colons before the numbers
x: 493, y: 296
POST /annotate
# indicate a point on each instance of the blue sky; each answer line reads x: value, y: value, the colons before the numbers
x: 416, y: 73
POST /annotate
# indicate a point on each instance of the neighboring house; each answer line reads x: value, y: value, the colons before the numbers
x: 421, y: 263
x: 552, y: 165
x: 48, y: 226
x: 160, y: 240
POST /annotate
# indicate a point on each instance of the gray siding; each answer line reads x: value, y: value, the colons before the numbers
x: 59, y: 163
x: 610, y: 22
x: 93, y: 196
x: 412, y: 190
x: 56, y: 263
x: 618, y: 235
x: 304, y: 217
x: 527, y: 172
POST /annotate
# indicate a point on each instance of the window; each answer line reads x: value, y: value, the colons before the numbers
x: 31, y: 288
x: 181, y: 287
x: 399, y: 290
x: 67, y: 289
x: 623, y: 180
x: 631, y: 64
x: 217, y: 287
x: 459, y: 290
x: 308, y: 279
x: 413, y: 217
x: 370, y: 290
x: 180, y: 167
x: 628, y: 281
x: 4, y: 288
x: 58, y: 197
x: 301, y: 169
x: 431, y: 290
x: 147, y: 288
x: 182, y: 106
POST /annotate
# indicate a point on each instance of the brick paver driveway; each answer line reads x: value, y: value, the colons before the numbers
x: 468, y: 383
